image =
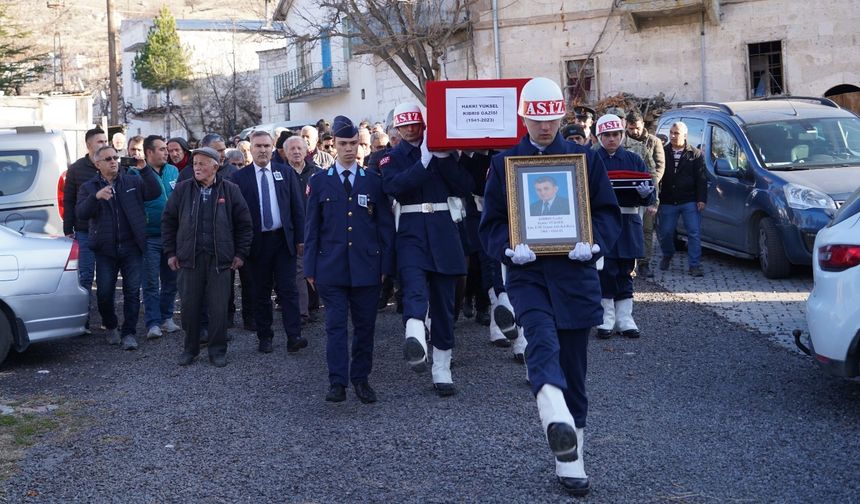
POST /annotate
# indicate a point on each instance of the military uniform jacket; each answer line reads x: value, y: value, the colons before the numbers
x: 573, y: 286
x: 349, y: 240
x: 631, y: 241
x: 430, y: 241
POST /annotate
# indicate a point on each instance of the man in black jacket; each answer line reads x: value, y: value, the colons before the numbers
x: 80, y: 172
x: 206, y: 233
x: 683, y: 193
x: 112, y: 204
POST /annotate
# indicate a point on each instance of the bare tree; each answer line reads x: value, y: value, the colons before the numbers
x: 411, y: 36
x: 225, y: 104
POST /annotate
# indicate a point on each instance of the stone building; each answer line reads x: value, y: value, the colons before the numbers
x: 689, y: 50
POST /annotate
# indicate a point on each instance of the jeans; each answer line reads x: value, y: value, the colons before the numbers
x: 667, y: 220
x: 86, y: 264
x: 129, y: 262
x: 159, y: 284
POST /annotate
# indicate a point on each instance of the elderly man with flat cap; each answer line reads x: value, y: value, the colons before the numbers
x: 206, y: 233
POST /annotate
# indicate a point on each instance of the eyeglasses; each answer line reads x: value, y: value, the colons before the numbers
x: 110, y: 158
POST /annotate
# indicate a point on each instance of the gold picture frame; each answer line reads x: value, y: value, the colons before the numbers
x: 548, y: 203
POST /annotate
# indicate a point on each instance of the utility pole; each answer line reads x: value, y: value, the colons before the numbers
x: 114, y: 87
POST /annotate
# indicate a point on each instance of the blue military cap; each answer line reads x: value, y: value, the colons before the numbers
x: 343, y: 127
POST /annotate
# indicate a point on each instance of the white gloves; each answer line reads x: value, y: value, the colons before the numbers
x: 427, y: 156
x: 644, y: 189
x: 521, y: 254
x: 583, y: 251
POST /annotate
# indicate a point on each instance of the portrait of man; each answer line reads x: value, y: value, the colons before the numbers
x: 548, y: 200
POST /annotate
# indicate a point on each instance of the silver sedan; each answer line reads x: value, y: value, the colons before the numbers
x: 40, y: 298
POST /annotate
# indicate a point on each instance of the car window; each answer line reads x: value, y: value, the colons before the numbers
x: 850, y: 208
x: 695, y: 131
x: 17, y: 170
x: 724, y: 146
x: 807, y: 143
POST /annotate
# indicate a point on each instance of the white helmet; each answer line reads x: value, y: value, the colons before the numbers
x: 541, y: 100
x: 609, y: 122
x: 407, y: 113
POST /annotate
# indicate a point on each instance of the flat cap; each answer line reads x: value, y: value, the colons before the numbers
x: 209, y: 152
x: 572, y: 129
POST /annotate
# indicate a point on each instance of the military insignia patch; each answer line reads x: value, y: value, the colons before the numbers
x: 384, y: 161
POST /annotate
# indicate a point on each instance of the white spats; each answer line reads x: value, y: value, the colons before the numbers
x: 441, y: 366
x: 557, y: 422
x: 574, y: 469
x: 624, y: 315
x: 415, y: 346
x: 608, y: 315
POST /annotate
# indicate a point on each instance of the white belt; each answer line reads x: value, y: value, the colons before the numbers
x: 424, y: 208
x: 630, y: 210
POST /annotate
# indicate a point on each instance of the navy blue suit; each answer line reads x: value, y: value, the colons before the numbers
x: 429, y: 248
x: 616, y: 281
x: 349, y: 245
x: 273, y: 253
x: 556, y: 300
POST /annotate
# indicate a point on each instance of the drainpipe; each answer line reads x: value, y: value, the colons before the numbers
x: 704, y: 95
x: 496, y: 49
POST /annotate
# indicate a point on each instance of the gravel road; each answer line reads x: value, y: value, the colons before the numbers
x: 698, y: 410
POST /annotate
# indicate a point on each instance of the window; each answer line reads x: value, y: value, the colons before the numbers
x: 765, y: 62
x: 724, y: 146
x: 695, y: 131
x: 17, y: 171
x: 581, y: 81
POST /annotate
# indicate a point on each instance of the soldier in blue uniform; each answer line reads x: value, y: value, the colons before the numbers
x: 349, y: 241
x: 616, y: 280
x: 556, y: 298
x: 430, y: 255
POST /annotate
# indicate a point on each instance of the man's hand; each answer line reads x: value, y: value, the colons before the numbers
x: 644, y: 189
x: 300, y: 249
x: 237, y: 263
x: 651, y: 210
x: 105, y: 193
x: 583, y: 251
x: 173, y: 263
x: 521, y: 254
x: 700, y: 206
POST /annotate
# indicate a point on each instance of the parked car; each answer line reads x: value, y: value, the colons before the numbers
x: 32, y: 163
x: 833, y: 307
x: 778, y: 169
x: 40, y: 297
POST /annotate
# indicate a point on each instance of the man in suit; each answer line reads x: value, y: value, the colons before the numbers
x: 550, y: 202
x: 348, y: 201
x: 274, y: 197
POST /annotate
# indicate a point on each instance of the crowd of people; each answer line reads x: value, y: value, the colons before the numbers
x: 346, y: 216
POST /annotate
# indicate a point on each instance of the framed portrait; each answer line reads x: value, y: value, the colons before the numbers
x: 548, y: 203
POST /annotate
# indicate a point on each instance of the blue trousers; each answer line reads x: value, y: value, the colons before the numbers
x: 616, y: 281
x: 667, y: 220
x: 421, y: 287
x: 274, y: 267
x: 360, y: 302
x: 129, y: 262
x: 491, y: 273
x: 557, y: 357
x: 159, y: 284
x: 86, y: 265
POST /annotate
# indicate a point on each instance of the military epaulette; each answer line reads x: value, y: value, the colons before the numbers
x: 361, y: 171
x: 330, y: 171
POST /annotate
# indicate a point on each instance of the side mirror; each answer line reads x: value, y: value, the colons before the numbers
x: 723, y: 168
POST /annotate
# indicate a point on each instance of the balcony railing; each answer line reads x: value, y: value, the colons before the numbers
x: 642, y: 13
x: 311, y: 82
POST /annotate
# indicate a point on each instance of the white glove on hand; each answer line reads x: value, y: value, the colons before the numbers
x: 521, y: 254
x: 583, y: 251
x: 427, y: 156
x: 644, y: 189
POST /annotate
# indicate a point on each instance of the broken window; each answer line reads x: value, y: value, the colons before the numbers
x: 581, y: 81
x: 765, y: 63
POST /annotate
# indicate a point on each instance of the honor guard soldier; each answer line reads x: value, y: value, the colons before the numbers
x: 427, y: 186
x: 631, y: 180
x: 556, y: 298
x: 349, y: 240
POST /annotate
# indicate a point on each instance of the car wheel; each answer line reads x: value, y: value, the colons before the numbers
x: 771, y: 252
x: 5, y: 337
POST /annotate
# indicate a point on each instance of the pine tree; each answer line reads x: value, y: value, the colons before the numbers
x: 162, y: 63
x: 18, y: 65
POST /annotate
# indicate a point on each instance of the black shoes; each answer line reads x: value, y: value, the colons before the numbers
x: 218, y: 360
x: 502, y: 343
x: 445, y: 389
x: 665, y: 261
x: 364, y: 392
x: 296, y: 344
x: 562, y: 441
x: 265, y: 345
x: 186, y: 359
x: 578, y: 487
x: 336, y: 393
x: 645, y: 270
x: 505, y: 321
x: 413, y: 352
x: 520, y: 358
x: 482, y: 316
x: 696, y: 271
x: 604, y: 333
x: 631, y: 333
